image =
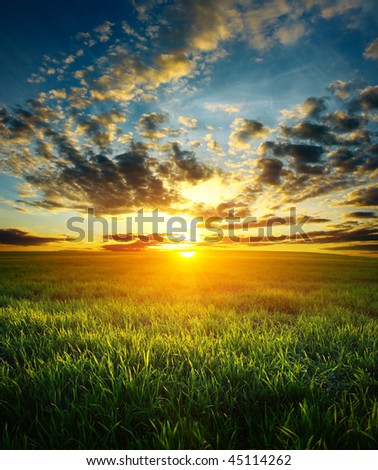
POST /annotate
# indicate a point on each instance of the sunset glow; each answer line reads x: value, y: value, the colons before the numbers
x: 187, y: 254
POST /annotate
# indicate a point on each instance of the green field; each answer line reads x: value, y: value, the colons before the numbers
x: 227, y: 350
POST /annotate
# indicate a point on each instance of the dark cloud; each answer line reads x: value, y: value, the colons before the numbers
x: 301, y: 152
x: 361, y: 215
x: 303, y: 155
x: 270, y: 170
x: 136, y: 245
x: 148, y: 239
x: 15, y: 237
x: 344, y: 236
x: 369, y: 155
x: 298, y: 188
x: 308, y: 169
x: 116, y: 185
x: 355, y: 238
x: 310, y: 131
x: 251, y: 128
x: 367, y: 99
x: 244, y: 131
x: 313, y: 107
x: 240, y: 209
x: 363, y: 159
x: 363, y: 197
x: 188, y: 167
x: 372, y: 248
x: 148, y: 125
x: 271, y: 220
x: 101, y: 129
x: 343, y: 122
x: 316, y: 220
x: 72, y: 175
x: 345, y: 160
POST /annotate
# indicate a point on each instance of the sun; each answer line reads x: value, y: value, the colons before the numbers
x: 187, y: 254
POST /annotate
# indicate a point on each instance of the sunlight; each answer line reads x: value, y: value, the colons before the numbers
x: 187, y: 254
x: 212, y: 191
x: 175, y: 246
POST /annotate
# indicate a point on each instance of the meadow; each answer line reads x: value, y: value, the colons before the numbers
x: 225, y: 350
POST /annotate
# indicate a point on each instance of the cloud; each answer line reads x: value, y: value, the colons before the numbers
x: 100, y: 33
x: 260, y: 22
x: 367, y: 196
x: 371, y: 52
x: 271, y: 219
x: 333, y: 8
x: 299, y: 187
x: 370, y: 247
x: 272, y: 21
x: 316, y: 220
x: 360, y: 136
x: 239, y: 208
x: 369, y: 154
x: 101, y: 129
x: 302, y: 154
x: 125, y: 76
x: 361, y: 215
x: 130, y: 242
x: 344, y: 90
x: 345, y: 160
x: 189, y: 168
x: 344, y: 236
x: 311, y: 108
x: 36, y: 78
x: 367, y: 99
x: 56, y: 156
x: 201, y: 25
x: 191, y: 123
x: 16, y: 237
x: 310, y: 131
x: 128, y: 181
x: 204, y: 25
x: 134, y: 246
x: 131, y: 32
x: 271, y: 170
x: 103, y: 32
x: 343, y: 122
x: 226, y: 108
x: 244, y: 130
x: 290, y: 34
x: 58, y: 94
x: 148, y: 125
x: 86, y: 38
x: 213, y: 145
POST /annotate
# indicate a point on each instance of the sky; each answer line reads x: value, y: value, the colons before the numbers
x: 218, y: 108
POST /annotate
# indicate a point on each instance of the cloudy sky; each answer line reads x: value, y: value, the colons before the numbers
x: 192, y: 107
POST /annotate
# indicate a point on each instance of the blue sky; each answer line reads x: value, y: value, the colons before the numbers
x: 192, y: 107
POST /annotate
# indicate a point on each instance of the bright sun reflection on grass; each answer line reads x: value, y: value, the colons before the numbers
x: 187, y: 254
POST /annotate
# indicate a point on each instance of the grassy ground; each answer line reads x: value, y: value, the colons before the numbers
x: 224, y: 350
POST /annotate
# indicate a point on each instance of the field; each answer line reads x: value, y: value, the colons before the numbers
x: 225, y: 350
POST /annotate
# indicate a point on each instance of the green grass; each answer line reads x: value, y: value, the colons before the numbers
x: 226, y: 350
